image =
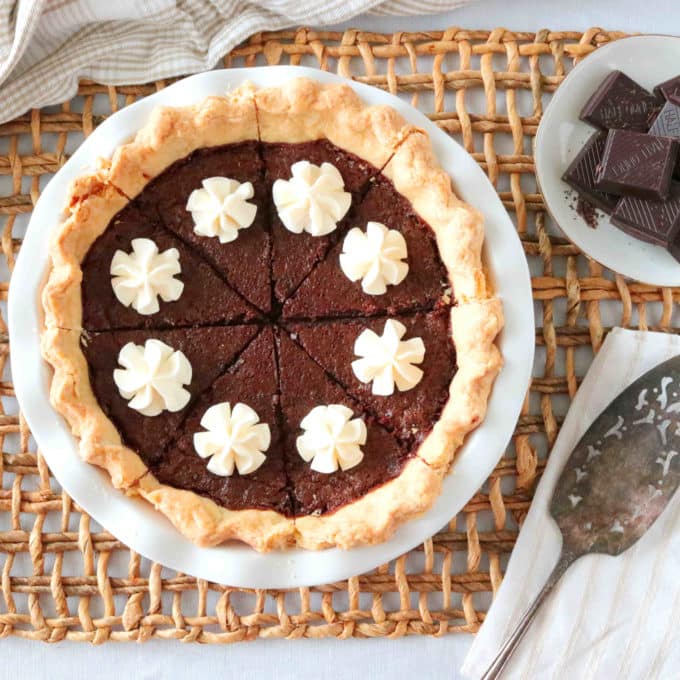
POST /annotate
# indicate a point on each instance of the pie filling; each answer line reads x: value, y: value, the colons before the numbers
x: 267, y: 319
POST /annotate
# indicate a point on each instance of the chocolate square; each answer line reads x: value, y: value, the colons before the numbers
x: 580, y: 175
x: 636, y: 164
x: 652, y: 221
x: 619, y: 102
x: 669, y: 90
x: 667, y: 124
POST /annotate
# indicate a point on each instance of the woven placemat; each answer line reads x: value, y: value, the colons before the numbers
x: 64, y: 577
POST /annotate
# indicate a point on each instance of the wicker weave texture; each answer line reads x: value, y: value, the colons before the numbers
x: 64, y: 577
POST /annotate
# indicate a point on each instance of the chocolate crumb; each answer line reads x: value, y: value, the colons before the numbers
x: 588, y: 212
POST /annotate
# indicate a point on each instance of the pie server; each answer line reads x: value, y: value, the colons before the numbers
x: 616, y: 482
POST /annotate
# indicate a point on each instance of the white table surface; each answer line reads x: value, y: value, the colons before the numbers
x: 414, y: 657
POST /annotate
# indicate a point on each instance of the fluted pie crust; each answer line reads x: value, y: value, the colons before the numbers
x: 299, y: 111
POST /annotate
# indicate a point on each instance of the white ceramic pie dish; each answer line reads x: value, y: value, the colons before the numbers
x: 649, y: 60
x: 134, y: 521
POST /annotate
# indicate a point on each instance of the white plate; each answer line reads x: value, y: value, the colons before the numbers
x: 649, y: 60
x: 133, y: 521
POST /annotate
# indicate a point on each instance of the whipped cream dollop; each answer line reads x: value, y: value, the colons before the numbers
x: 375, y: 257
x: 313, y: 199
x: 235, y: 438
x: 387, y: 359
x: 221, y: 208
x: 140, y: 277
x: 153, y: 377
x: 332, y: 438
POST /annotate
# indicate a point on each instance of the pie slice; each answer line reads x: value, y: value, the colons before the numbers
x: 210, y: 299
x: 251, y: 380
x: 245, y: 261
x: 322, y: 502
x: 316, y: 492
x: 209, y: 351
x: 256, y: 507
x: 328, y: 292
x: 294, y: 255
x: 409, y: 414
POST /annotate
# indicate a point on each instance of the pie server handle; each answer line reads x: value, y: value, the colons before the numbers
x: 509, y: 646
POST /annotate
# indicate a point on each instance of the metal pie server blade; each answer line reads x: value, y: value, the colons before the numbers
x: 617, y: 481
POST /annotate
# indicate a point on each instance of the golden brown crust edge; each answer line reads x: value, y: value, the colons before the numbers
x: 170, y: 134
x: 305, y: 110
x: 198, y: 518
x: 459, y: 228
x: 374, y: 517
x: 209, y: 524
x: 372, y: 133
x: 72, y: 396
x: 173, y: 133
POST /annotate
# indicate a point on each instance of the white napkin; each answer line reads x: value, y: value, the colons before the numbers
x: 47, y: 45
x: 610, y: 618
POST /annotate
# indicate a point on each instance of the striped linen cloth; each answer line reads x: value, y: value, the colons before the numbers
x: 610, y: 618
x: 47, y: 45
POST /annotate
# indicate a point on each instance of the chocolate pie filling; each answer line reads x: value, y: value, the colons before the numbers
x: 270, y: 320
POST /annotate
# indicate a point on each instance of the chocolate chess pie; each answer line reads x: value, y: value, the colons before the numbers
x: 268, y: 316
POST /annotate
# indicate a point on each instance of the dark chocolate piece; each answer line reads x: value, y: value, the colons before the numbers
x: 635, y: 164
x: 669, y: 90
x: 580, y: 175
x: 667, y: 124
x: 620, y: 103
x: 652, y: 221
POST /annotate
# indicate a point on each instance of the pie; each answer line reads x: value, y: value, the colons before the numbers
x: 268, y: 316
